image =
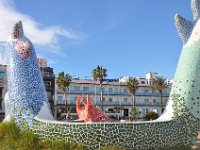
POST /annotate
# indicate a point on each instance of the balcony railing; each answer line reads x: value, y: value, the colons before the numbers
x: 45, y: 74
x: 114, y: 103
x: 114, y: 93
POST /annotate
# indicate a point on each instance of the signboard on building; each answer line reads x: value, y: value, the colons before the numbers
x: 42, y: 62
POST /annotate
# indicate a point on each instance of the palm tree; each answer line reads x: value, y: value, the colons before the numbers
x: 99, y: 73
x: 63, y: 81
x: 159, y: 83
x: 132, y: 86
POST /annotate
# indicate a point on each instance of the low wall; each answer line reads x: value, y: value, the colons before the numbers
x: 146, y: 135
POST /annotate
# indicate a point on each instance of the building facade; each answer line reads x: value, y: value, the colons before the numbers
x: 49, y: 83
x: 117, y: 101
x: 3, y: 89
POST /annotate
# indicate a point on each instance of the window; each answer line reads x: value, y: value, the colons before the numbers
x: 110, y: 90
x: 2, y: 74
x: 49, y: 96
x: 154, y: 101
x: 125, y: 100
x: 47, y: 84
x: 142, y: 82
x: 85, y: 89
x: 165, y: 101
x: 143, y: 111
x: 76, y: 88
x: 125, y: 91
x: 154, y: 91
x: 47, y: 74
x: 110, y: 110
x: 97, y: 98
x: 165, y: 92
x: 59, y: 97
x: 146, y: 101
x: 146, y: 91
x: 1, y: 93
x: 137, y: 100
x: 110, y: 99
x: 60, y: 100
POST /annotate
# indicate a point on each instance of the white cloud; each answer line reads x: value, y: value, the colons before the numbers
x: 40, y: 36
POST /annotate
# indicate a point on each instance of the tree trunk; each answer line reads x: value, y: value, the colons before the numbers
x: 65, y: 98
x: 161, y: 101
x: 134, y: 102
x: 101, y: 97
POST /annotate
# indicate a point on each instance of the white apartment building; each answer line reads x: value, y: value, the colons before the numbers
x: 117, y: 100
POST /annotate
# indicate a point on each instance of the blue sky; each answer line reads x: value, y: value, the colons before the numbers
x: 127, y: 37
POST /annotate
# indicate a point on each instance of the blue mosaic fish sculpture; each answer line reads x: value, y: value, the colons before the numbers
x: 178, y: 127
x: 27, y: 94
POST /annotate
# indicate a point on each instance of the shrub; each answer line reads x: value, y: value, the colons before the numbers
x: 52, y: 145
x: 27, y: 140
x: 151, y: 116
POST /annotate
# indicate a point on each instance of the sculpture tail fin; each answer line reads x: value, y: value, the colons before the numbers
x: 184, y: 27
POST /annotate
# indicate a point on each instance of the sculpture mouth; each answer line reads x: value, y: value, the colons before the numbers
x: 23, y: 48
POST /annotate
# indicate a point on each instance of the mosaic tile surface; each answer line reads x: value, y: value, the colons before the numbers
x: 181, y: 130
x: 142, y: 136
x: 25, y: 85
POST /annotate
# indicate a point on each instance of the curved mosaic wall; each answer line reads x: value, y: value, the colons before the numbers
x: 181, y: 130
x: 137, y: 136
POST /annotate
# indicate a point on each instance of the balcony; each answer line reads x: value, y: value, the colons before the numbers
x: 115, y: 93
x: 60, y: 102
x: 113, y: 103
x: 48, y: 74
x: 96, y: 92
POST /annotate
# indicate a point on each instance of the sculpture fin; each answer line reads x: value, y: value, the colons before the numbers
x: 195, y: 4
x: 184, y: 27
x: 17, y: 31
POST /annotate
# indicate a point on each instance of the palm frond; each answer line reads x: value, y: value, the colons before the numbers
x: 99, y: 73
x: 159, y: 83
x: 63, y: 81
x: 132, y: 85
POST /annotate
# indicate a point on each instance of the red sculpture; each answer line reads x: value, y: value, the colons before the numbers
x: 90, y: 112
